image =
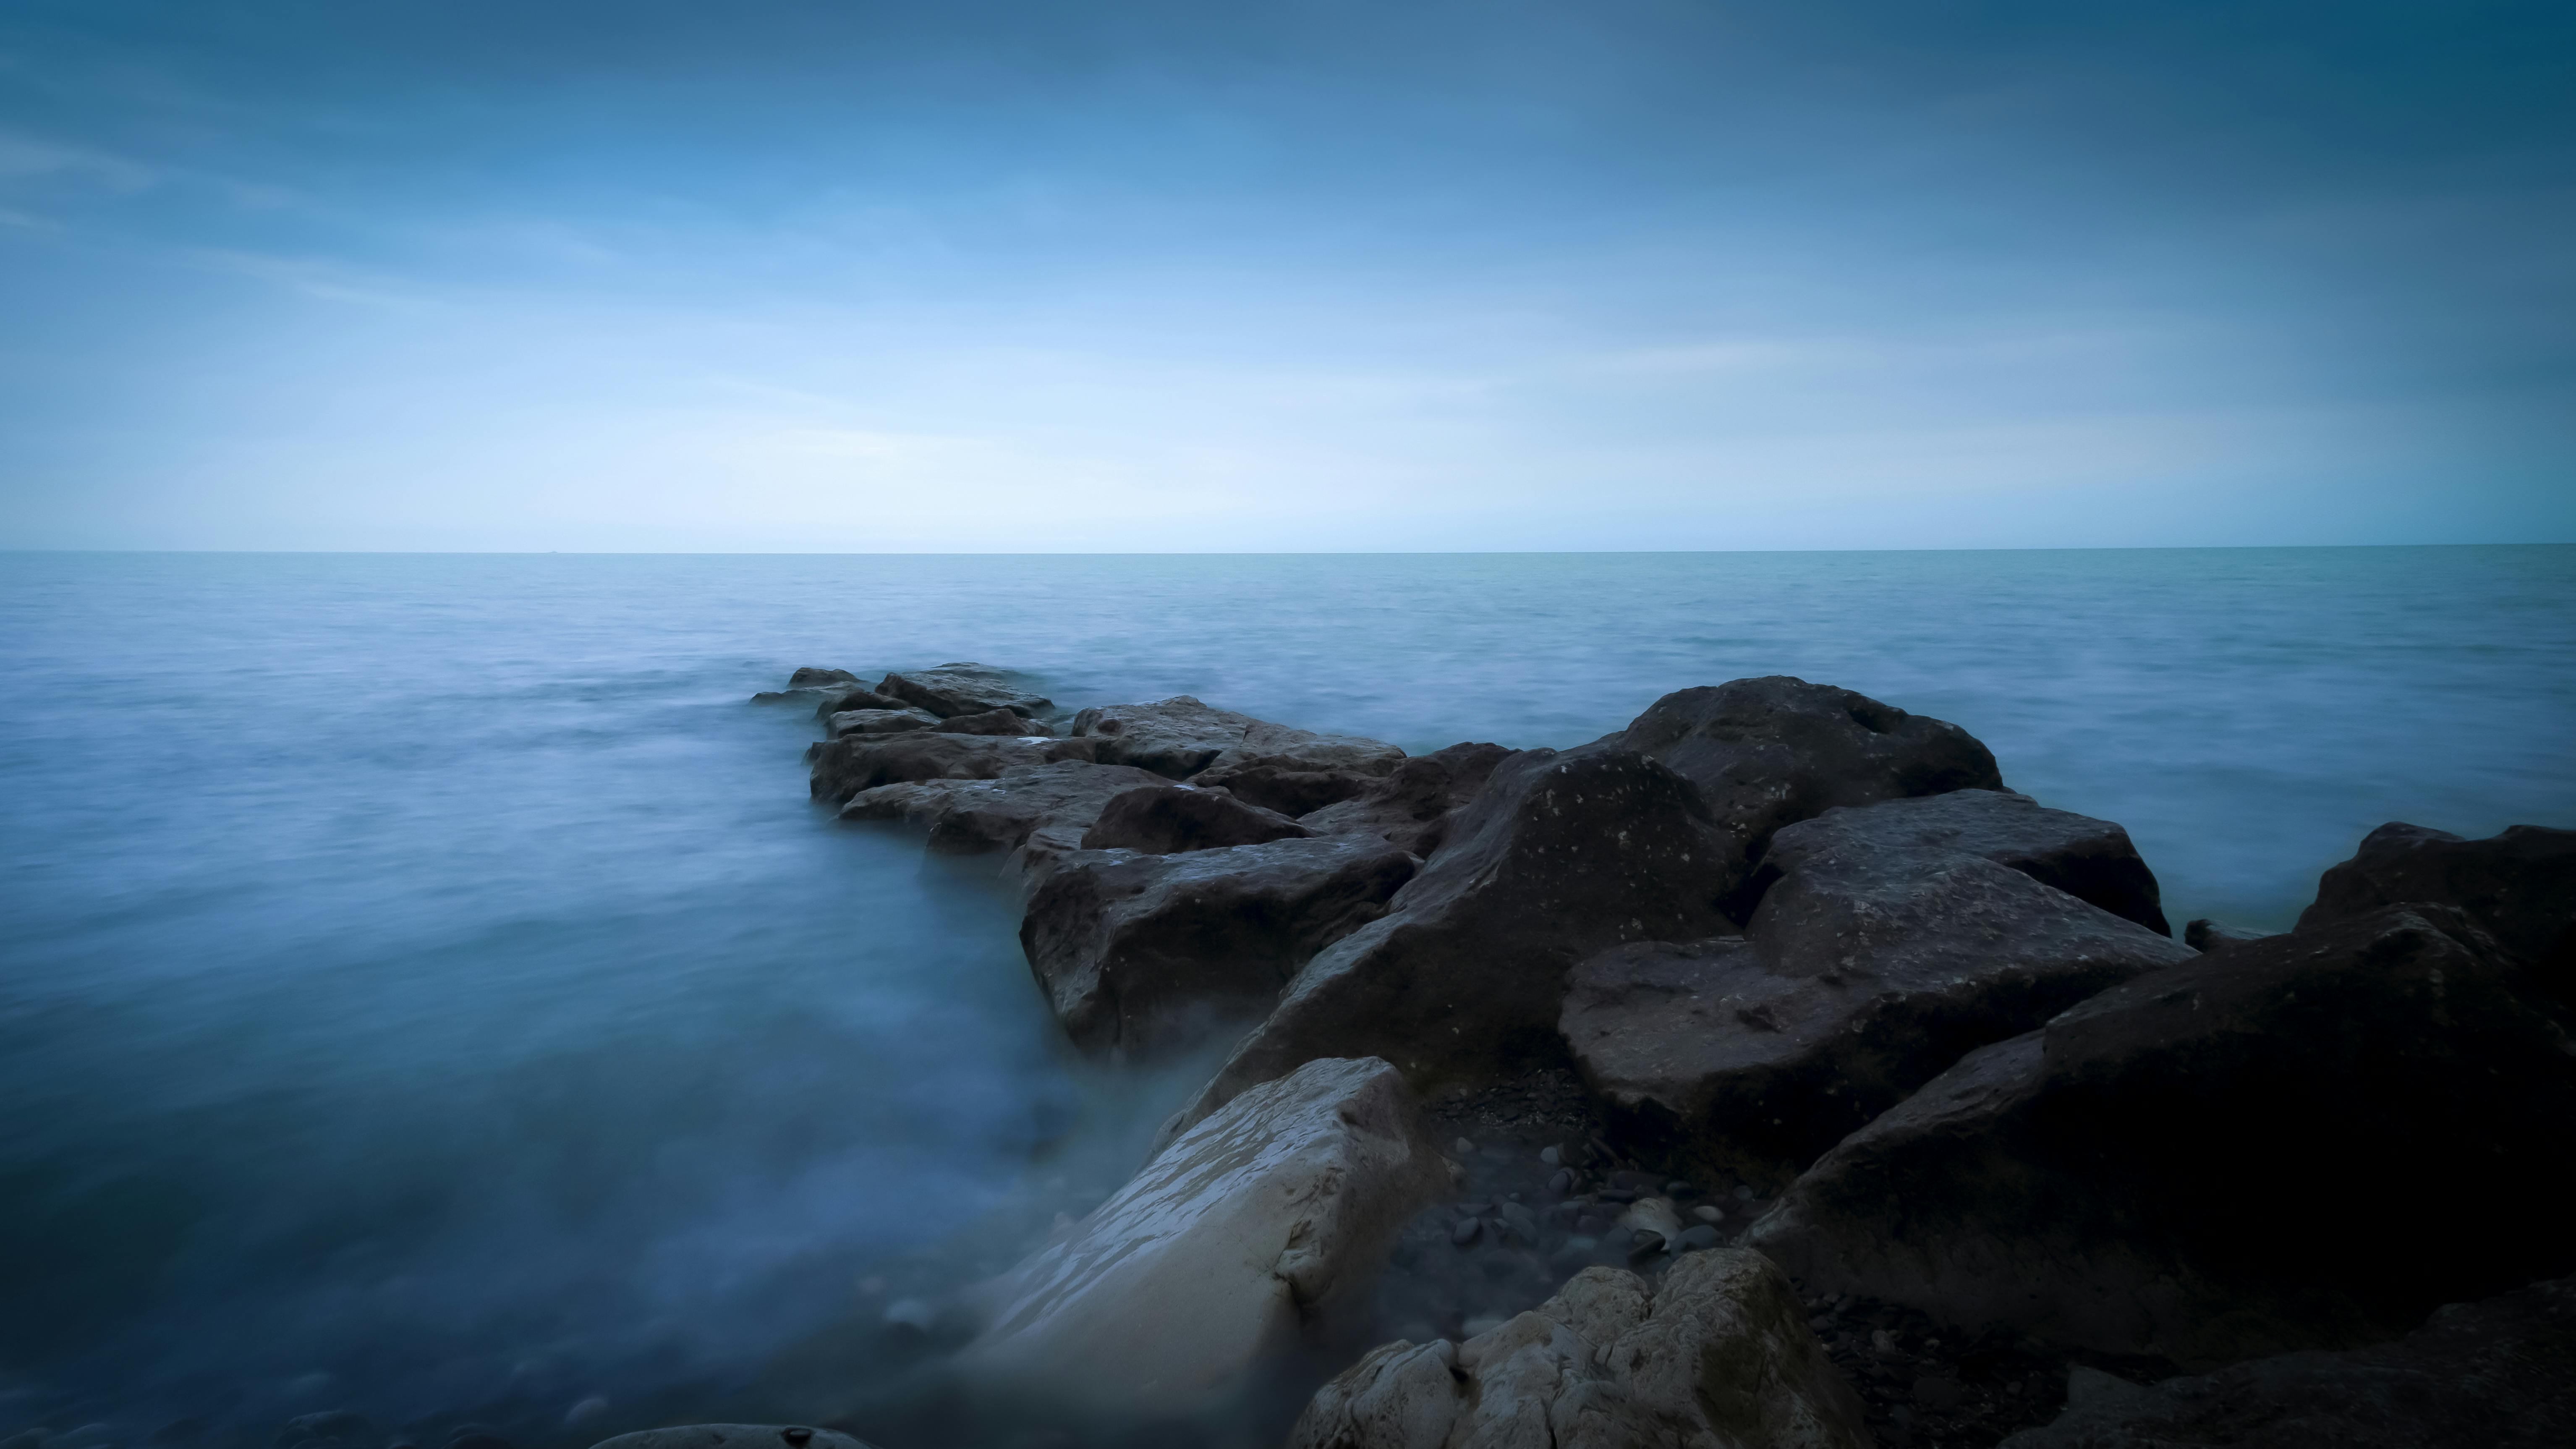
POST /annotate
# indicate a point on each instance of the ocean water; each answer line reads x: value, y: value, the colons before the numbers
x: 427, y: 989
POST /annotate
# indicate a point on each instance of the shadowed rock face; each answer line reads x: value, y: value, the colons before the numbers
x: 1253, y: 1237
x: 1167, y: 821
x: 2520, y: 885
x: 1892, y: 944
x: 2182, y: 1165
x: 2500, y: 1374
x: 1187, y: 740
x: 1146, y: 955
x: 952, y: 690
x: 992, y: 722
x: 1718, y: 1353
x: 1766, y: 752
x: 852, y: 763
x: 1296, y: 792
x: 1559, y: 856
x: 1413, y: 805
x: 877, y: 722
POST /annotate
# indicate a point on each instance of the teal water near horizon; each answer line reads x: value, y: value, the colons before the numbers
x: 427, y: 988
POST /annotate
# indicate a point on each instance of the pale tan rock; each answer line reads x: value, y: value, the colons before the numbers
x: 1716, y: 1356
x: 1254, y: 1235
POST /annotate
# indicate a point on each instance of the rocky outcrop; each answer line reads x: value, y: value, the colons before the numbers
x: 1252, y: 1238
x: 2208, y: 935
x: 1187, y: 740
x: 2500, y: 1374
x: 1770, y: 751
x: 1412, y: 805
x: 992, y: 722
x: 2519, y: 885
x: 1168, y: 821
x: 1143, y: 955
x: 846, y: 766
x: 1895, y: 939
x: 877, y: 722
x: 734, y: 1436
x: 2184, y: 1165
x: 953, y: 690
x: 1560, y: 856
x: 1716, y: 1354
x: 1005, y: 813
x: 1296, y: 792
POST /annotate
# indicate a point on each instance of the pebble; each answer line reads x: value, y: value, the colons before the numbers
x: 1465, y: 1147
x: 1561, y: 1183
x: 1645, y: 1243
x: 1466, y: 1230
x: 1693, y: 1239
x: 1708, y: 1214
x: 1937, y: 1393
x: 1744, y: 1194
x: 1552, y: 1156
x: 1882, y: 1341
x: 1681, y: 1189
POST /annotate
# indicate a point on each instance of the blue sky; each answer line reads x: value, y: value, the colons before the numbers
x: 1018, y: 276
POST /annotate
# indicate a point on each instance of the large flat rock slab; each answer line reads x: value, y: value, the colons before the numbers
x: 973, y: 816
x: 2188, y: 1164
x: 844, y: 767
x: 1185, y: 739
x: 1252, y: 1238
x: 1717, y: 1354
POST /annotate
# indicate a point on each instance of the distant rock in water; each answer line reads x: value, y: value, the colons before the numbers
x: 2208, y: 935
x: 952, y: 690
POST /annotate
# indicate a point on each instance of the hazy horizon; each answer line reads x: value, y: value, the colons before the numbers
x: 797, y: 277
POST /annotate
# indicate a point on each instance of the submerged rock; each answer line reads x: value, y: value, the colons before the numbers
x: 2500, y: 1374
x: 2208, y: 935
x: 1559, y: 856
x: 1891, y: 944
x: 952, y: 690
x: 1251, y: 1239
x: 1185, y: 739
x: 2179, y: 1165
x: 1168, y: 821
x: 1144, y: 955
x: 1716, y: 1354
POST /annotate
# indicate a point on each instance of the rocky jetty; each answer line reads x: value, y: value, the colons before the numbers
x: 1763, y: 1073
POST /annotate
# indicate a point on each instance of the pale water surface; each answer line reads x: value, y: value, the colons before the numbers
x: 427, y: 987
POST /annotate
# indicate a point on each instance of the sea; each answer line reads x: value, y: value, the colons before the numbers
x: 427, y: 992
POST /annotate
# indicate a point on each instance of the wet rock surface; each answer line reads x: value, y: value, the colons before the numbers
x: 1146, y: 955
x: 1253, y: 1237
x: 1184, y: 739
x: 2519, y: 885
x: 1412, y: 805
x: 1714, y: 1351
x: 974, y: 816
x: 1168, y: 821
x: 2209, y: 935
x: 844, y: 767
x: 2497, y: 1374
x: 954, y: 690
x: 1891, y: 942
x: 1560, y: 855
x: 866, y: 721
x: 2170, y: 1167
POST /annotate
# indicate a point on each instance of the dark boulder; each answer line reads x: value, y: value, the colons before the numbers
x: 1165, y: 820
x: 1183, y: 738
x: 1892, y: 943
x: 1296, y: 792
x: 812, y: 675
x: 877, y: 722
x: 992, y: 722
x: 975, y: 816
x: 2520, y: 885
x: 1413, y: 804
x: 1561, y: 855
x: 1766, y: 752
x: 839, y: 699
x: 2204, y: 1163
x: 2500, y: 1374
x: 845, y: 766
x: 960, y: 689
x: 1145, y: 955
x: 2208, y: 935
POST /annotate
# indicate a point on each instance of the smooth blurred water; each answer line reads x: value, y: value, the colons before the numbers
x: 427, y: 972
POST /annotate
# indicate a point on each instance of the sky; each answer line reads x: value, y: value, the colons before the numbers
x: 1004, y: 276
